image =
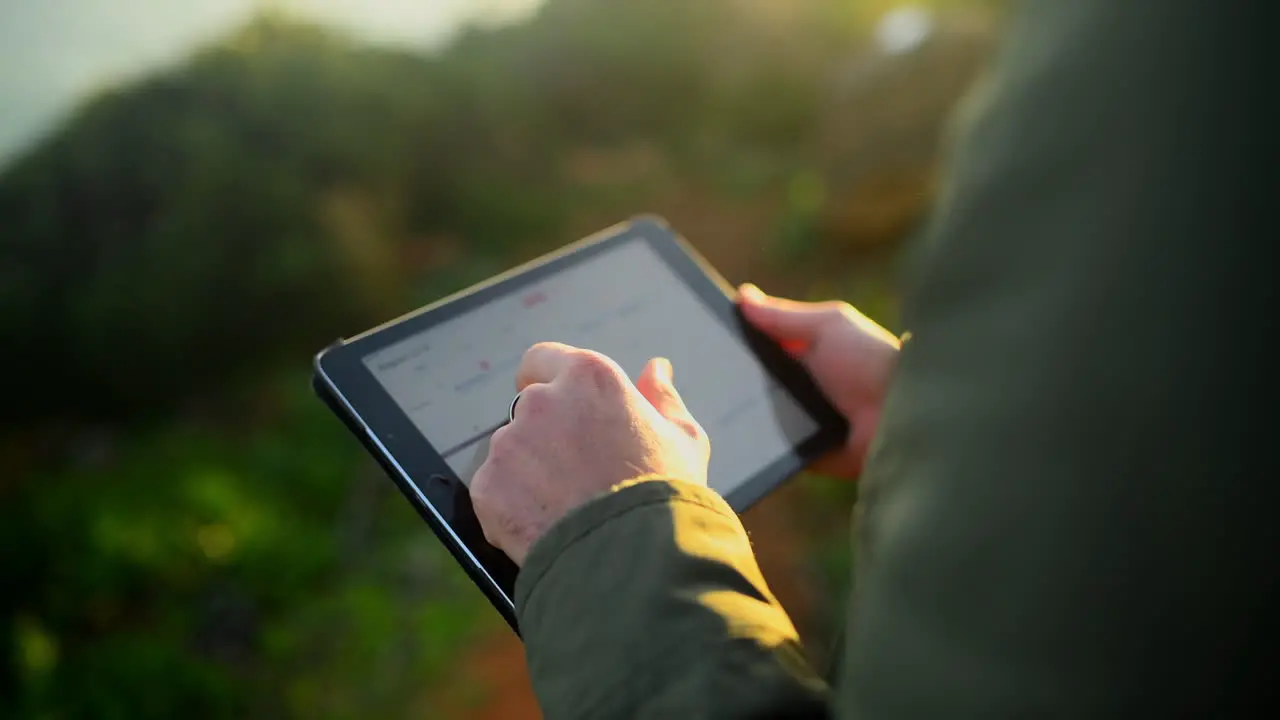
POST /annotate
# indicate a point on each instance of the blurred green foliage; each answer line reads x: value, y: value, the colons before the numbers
x: 183, y: 529
x: 262, y: 570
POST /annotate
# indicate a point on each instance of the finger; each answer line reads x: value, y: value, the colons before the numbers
x: 790, y: 322
x: 543, y: 362
x: 481, y: 489
x: 656, y: 385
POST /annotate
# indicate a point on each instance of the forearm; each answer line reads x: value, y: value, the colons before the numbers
x: 648, y: 603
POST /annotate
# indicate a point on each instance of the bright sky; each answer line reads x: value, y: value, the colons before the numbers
x: 53, y: 51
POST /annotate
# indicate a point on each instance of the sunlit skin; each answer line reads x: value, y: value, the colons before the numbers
x: 850, y: 356
x: 582, y: 427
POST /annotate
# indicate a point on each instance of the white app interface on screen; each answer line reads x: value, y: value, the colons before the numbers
x: 456, y: 380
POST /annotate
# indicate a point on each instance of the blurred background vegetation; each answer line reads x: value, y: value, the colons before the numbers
x: 183, y: 528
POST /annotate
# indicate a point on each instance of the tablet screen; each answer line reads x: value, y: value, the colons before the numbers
x: 455, y: 380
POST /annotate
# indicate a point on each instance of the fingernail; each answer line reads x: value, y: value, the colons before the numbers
x: 750, y: 292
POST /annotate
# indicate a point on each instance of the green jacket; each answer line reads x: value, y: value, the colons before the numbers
x: 1064, y: 512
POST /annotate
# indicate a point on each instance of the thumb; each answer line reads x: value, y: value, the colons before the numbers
x: 787, y: 321
x: 655, y: 384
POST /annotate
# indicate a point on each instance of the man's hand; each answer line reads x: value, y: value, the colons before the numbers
x: 851, y: 358
x: 581, y: 427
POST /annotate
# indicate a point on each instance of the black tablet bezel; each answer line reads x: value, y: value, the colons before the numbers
x: 350, y: 389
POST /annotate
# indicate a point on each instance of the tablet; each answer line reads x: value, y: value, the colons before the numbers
x: 424, y: 392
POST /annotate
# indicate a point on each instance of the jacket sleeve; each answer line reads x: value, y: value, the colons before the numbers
x: 648, y: 603
x: 1069, y: 511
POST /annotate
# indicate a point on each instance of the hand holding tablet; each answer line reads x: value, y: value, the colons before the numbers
x: 431, y: 394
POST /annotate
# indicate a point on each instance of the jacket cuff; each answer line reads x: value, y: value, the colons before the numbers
x: 582, y: 521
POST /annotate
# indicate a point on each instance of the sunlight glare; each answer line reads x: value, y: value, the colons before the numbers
x: 411, y: 21
x: 904, y: 29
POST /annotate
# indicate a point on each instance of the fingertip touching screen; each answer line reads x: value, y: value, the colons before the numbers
x: 455, y: 380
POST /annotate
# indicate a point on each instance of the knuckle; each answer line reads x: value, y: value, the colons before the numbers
x: 481, y: 491
x: 698, y: 433
x: 535, y: 401
x: 692, y: 430
x: 688, y: 426
x: 540, y: 347
x: 596, y: 371
x: 500, y: 448
x: 699, y: 436
x: 480, y: 479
